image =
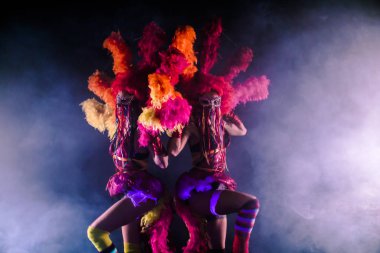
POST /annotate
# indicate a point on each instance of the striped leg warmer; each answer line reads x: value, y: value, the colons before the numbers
x: 243, y: 227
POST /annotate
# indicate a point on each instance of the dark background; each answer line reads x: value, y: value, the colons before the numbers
x: 321, y: 57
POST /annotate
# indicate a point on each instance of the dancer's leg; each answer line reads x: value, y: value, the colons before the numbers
x: 119, y: 214
x: 131, y: 237
x: 225, y: 202
x: 217, y: 230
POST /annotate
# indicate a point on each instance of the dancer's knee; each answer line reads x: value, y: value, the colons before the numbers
x: 252, y: 203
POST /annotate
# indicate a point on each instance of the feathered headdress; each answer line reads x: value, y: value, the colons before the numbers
x: 126, y: 77
x: 166, y: 109
x: 232, y: 94
x: 154, y: 90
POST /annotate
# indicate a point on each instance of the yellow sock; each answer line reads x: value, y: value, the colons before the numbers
x: 99, y: 238
x: 131, y: 247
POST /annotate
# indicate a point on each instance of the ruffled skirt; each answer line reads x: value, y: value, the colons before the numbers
x: 138, y: 186
x: 197, y: 180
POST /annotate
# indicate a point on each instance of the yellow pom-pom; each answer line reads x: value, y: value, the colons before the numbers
x: 153, y: 215
x: 149, y: 119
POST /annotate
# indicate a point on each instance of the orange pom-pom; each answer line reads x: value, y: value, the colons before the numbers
x: 161, y: 88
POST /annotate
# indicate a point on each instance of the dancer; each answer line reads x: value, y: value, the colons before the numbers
x: 206, y: 194
x: 142, y: 205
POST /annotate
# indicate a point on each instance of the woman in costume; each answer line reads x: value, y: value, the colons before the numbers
x: 142, y: 205
x: 206, y: 194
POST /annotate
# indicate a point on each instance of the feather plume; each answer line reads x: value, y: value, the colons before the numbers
x: 152, y: 40
x: 122, y: 56
x: 99, y: 115
x: 239, y: 63
x: 100, y: 84
x: 183, y: 41
x: 210, y: 45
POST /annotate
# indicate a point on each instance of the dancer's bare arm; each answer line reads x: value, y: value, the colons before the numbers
x: 234, y: 126
x: 176, y: 144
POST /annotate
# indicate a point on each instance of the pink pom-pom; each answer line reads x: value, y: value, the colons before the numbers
x: 146, y: 135
x: 169, y: 113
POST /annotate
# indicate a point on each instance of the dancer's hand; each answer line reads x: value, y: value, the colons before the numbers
x: 161, y: 161
x: 233, y: 125
x: 160, y: 155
